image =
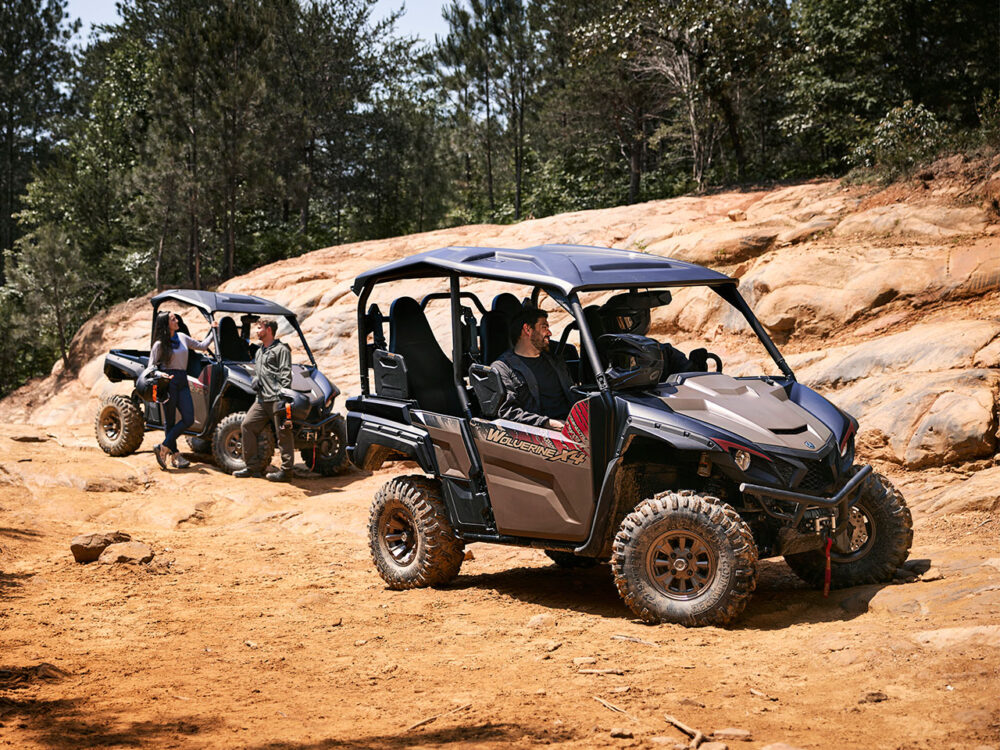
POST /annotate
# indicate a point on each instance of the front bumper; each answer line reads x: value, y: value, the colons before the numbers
x: 793, y: 540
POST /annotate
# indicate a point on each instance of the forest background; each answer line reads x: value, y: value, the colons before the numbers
x: 194, y: 140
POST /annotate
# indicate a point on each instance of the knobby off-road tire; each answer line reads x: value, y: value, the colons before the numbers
x: 119, y: 426
x: 880, y: 543
x: 227, y: 444
x: 685, y: 558
x: 412, y: 542
x: 330, y: 457
x: 569, y: 560
x: 199, y: 445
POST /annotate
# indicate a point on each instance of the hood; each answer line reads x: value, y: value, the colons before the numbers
x: 753, y: 409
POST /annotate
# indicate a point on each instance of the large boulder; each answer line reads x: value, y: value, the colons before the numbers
x: 981, y: 492
x: 126, y: 552
x: 906, y: 219
x: 88, y: 547
x: 925, y: 419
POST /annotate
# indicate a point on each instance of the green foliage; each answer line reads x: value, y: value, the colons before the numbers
x: 194, y: 140
x: 905, y: 137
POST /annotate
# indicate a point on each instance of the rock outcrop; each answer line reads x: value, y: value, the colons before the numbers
x: 887, y: 302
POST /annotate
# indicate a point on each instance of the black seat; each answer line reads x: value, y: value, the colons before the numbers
x: 233, y: 347
x: 494, y: 329
x: 429, y: 375
x: 506, y: 303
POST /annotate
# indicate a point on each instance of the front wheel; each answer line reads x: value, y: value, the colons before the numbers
x: 685, y: 558
x: 881, y: 535
x: 227, y: 443
x: 119, y: 426
x: 329, y: 456
x: 412, y: 542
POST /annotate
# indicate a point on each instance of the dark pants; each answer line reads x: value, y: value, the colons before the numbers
x: 180, y: 398
x: 254, y: 422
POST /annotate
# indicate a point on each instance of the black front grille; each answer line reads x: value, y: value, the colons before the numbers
x: 817, y: 479
x: 812, y: 476
x: 785, y: 471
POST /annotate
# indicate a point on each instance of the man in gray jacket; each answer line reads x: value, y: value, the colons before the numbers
x: 272, y: 367
x: 537, y: 383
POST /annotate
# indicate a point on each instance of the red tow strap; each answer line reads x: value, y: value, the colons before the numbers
x: 826, y: 571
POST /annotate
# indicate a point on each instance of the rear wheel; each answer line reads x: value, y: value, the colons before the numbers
x: 879, y: 542
x: 227, y: 444
x: 119, y: 426
x: 685, y: 558
x: 412, y: 542
x: 329, y: 457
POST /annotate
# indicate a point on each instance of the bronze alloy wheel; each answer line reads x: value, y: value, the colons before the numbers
x: 681, y: 564
x: 111, y: 423
x: 234, y: 445
x: 399, y: 534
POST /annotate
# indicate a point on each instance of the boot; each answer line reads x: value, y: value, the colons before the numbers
x: 248, y: 472
x: 279, y: 476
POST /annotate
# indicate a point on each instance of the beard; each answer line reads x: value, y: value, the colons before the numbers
x: 540, y: 341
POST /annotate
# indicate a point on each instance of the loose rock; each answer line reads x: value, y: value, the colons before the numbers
x: 737, y: 215
x: 585, y: 660
x: 621, y: 733
x: 934, y: 574
x: 713, y: 746
x: 873, y: 696
x: 540, y: 622
x: 88, y: 547
x: 126, y: 552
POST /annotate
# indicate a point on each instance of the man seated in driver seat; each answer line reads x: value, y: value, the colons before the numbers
x: 537, y: 383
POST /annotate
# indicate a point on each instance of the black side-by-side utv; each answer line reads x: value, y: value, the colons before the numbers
x: 221, y: 391
x: 683, y: 480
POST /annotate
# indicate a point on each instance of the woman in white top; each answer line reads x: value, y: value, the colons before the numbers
x: 169, y: 354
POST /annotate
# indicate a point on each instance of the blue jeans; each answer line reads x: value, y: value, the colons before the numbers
x: 180, y: 398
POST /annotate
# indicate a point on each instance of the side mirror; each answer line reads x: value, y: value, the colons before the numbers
x: 489, y: 390
x: 390, y: 375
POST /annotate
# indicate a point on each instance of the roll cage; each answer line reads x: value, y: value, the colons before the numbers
x: 252, y: 308
x: 561, y: 271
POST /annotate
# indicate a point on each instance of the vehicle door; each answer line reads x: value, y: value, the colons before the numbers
x: 540, y: 481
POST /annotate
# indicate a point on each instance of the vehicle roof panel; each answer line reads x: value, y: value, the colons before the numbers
x: 568, y: 268
x: 222, y: 302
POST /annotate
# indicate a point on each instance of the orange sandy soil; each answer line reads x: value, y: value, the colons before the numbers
x: 262, y: 623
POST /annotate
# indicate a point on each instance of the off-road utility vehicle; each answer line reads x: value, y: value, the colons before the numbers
x: 683, y: 480
x: 221, y: 391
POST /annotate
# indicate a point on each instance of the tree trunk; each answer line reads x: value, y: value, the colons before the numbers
x: 733, y: 126
x: 159, y: 258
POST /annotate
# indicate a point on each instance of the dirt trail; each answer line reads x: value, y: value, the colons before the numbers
x: 261, y: 623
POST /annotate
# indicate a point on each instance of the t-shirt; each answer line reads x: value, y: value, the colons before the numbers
x: 552, y: 401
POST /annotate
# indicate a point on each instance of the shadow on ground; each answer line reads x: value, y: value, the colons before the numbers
x: 780, y: 600
x: 458, y: 736
x: 69, y: 722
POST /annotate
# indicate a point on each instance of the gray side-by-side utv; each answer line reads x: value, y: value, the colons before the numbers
x: 683, y: 480
x: 221, y: 392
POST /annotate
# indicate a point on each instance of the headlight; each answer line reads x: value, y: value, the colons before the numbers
x: 742, y: 459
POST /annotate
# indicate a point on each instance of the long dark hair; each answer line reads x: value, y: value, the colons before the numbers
x: 161, y: 333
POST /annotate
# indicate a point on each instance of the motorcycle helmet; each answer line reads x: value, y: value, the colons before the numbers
x: 632, y: 361
x: 148, y: 378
